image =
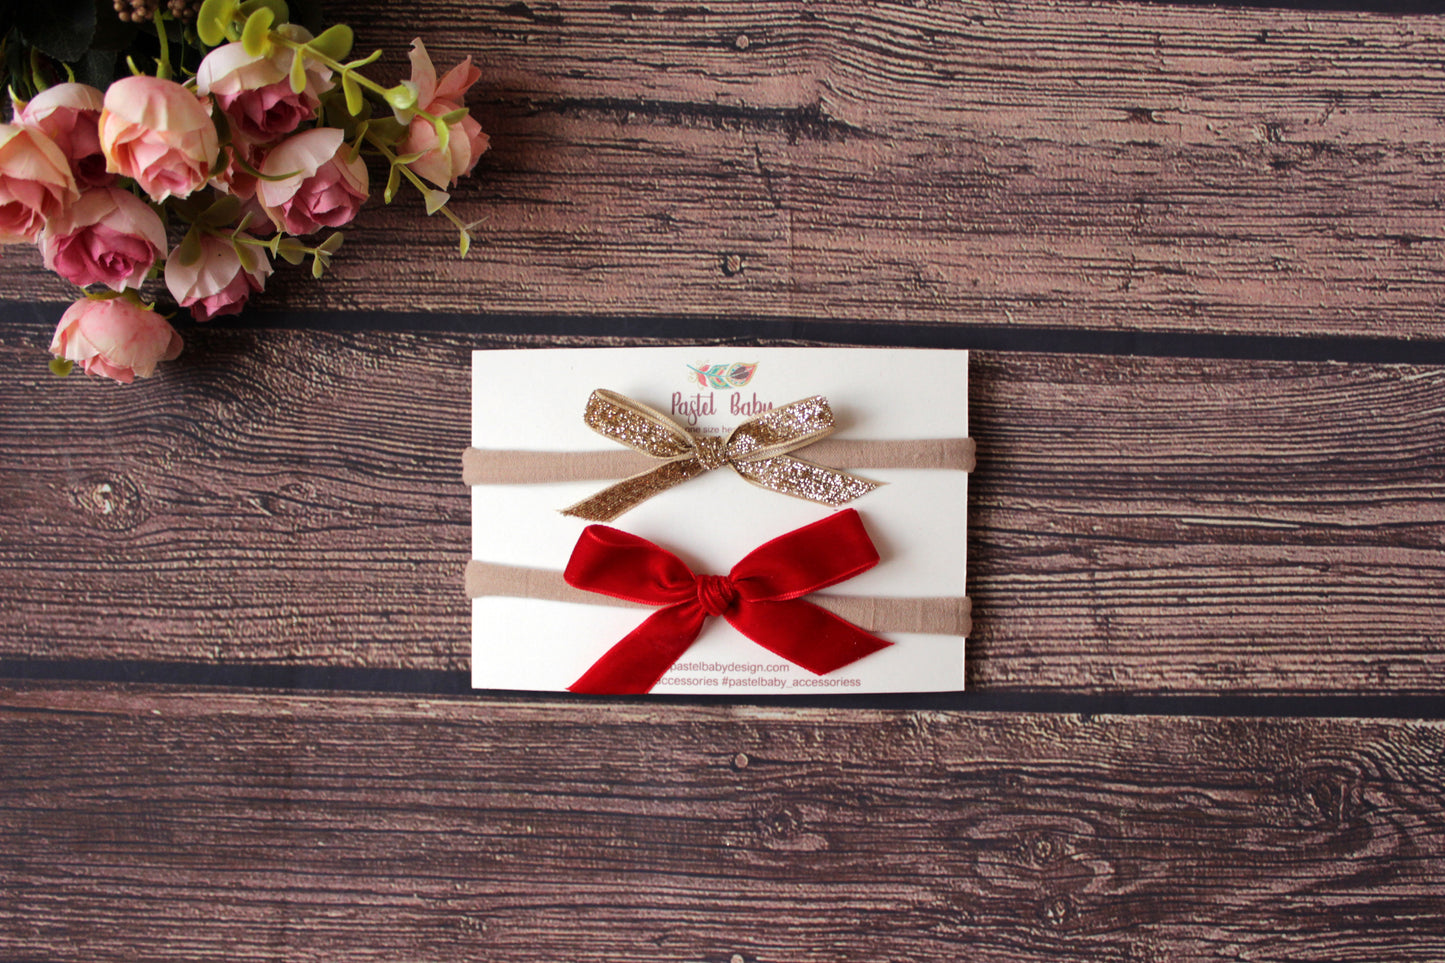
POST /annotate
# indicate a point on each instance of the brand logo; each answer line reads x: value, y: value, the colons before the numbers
x: 723, y: 376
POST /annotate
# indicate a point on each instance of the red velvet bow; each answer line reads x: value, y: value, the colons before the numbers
x: 760, y: 597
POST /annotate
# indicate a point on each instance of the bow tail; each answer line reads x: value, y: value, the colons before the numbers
x: 633, y: 665
x: 804, y: 634
x: 617, y: 499
x: 804, y: 479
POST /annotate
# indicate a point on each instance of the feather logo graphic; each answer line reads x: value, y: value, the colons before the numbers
x: 723, y: 376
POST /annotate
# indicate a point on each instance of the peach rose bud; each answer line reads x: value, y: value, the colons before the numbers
x: 108, y: 237
x: 465, y: 141
x: 255, y: 91
x: 221, y: 280
x: 69, y: 114
x: 326, y: 189
x: 158, y: 133
x: 116, y: 338
x: 35, y: 182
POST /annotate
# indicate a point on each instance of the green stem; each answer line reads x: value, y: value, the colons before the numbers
x: 446, y: 212
x: 361, y: 79
x: 163, y: 68
x: 416, y: 181
x: 253, y: 241
x: 37, y: 82
x: 301, y: 48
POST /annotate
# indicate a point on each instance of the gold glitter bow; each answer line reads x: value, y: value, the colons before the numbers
x: 757, y: 449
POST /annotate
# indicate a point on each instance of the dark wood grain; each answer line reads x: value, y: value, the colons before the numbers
x: 157, y: 825
x: 1106, y: 165
x: 1138, y: 525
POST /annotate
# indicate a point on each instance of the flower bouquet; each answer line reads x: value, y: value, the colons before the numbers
x: 232, y: 138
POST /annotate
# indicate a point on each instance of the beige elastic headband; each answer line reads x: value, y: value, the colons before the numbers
x: 485, y: 466
x: 663, y: 454
x: 932, y: 616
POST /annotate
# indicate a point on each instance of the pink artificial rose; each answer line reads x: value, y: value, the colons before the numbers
x: 118, y: 338
x: 69, y: 114
x: 35, y: 182
x: 465, y: 142
x: 221, y: 280
x: 255, y: 91
x: 158, y: 133
x: 326, y: 189
x: 235, y: 177
x: 108, y: 237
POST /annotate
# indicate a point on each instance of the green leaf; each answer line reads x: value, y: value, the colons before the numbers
x: 402, y: 97
x: 213, y: 19
x: 189, y: 250
x: 252, y: 260
x: 444, y: 134
x: 393, y: 181
x: 333, y: 243
x: 223, y: 126
x: 354, y: 100
x: 452, y: 116
x: 333, y: 112
x: 37, y: 70
x: 298, y: 73
x: 371, y: 58
x: 387, y: 130
x: 345, y: 119
x: 409, y: 158
x: 317, y: 267
x: 224, y: 211
x: 464, y: 244
x: 60, y: 29
x: 256, y: 37
x: 96, y: 68
x: 60, y: 367
x: 291, y: 250
x: 355, y: 150
x: 334, y: 42
x: 435, y: 200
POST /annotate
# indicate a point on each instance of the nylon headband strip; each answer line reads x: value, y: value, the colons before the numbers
x: 485, y: 466
x: 931, y: 616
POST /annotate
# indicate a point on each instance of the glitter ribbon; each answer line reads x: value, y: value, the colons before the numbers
x: 758, y: 450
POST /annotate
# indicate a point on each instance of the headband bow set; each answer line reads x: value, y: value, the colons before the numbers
x: 768, y: 595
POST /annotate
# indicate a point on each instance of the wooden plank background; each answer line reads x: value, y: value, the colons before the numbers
x: 286, y: 497
x: 1139, y: 525
x: 158, y: 825
x: 1107, y: 165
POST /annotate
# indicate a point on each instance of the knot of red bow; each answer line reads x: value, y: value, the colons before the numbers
x: 761, y: 597
x: 715, y: 593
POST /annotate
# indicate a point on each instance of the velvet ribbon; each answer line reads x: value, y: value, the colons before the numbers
x: 761, y: 597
